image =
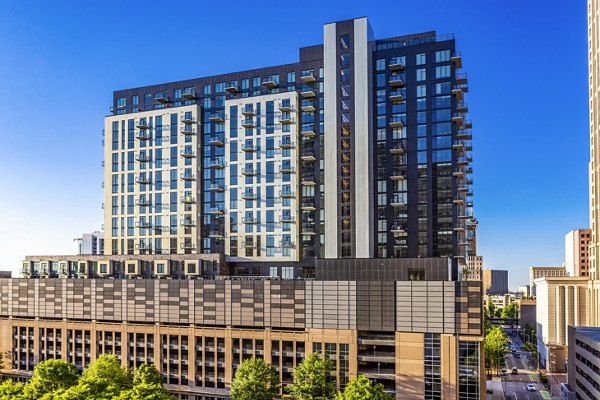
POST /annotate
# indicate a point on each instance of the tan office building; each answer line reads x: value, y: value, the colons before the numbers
x: 577, y: 252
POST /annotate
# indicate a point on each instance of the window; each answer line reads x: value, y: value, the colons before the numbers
x: 344, y: 42
x: 344, y: 59
x: 121, y: 102
x: 421, y: 91
x: 421, y: 74
x: 380, y: 64
x: 291, y: 77
x: 421, y: 59
x: 442, y: 55
x: 442, y: 71
x: 345, y: 75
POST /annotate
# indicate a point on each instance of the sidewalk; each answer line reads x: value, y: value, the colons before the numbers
x: 554, y: 380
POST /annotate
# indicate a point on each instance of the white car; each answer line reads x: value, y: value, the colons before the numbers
x: 531, y: 387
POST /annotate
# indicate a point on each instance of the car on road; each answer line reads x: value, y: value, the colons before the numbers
x: 514, y: 371
x: 517, y: 355
x: 531, y: 387
x: 504, y: 371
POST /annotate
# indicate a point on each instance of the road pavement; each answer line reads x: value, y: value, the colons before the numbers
x: 515, y: 386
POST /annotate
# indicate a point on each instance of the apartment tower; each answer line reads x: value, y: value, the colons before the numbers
x: 244, y: 210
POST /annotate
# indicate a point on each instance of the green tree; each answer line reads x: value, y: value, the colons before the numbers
x: 102, y: 380
x: 255, y: 380
x: 510, y: 311
x: 147, y: 385
x: 361, y: 388
x: 50, y: 376
x: 495, y: 347
x: 10, y: 390
x: 312, y: 379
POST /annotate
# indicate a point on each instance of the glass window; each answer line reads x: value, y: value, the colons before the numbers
x: 442, y: 71
x: 421, y: 74
x: 207, y: 90
x: 345, y: 59
x: 381, y: 80
x: 121, y: 102
x: 442, y: 55
x: 380, y: 64
x: 421, y: 59
x: 291, y: 77
x: 345, y: 75
x: 344, y: 42
x: 421, y: 91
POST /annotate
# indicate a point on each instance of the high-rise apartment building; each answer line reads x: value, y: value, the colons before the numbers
x: 576, y: 252
x: 275, y: 199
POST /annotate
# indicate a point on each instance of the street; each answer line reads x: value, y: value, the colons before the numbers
x: 515, y: 386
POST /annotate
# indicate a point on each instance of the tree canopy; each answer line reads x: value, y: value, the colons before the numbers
x: 312, y: 379
x: 255, y: 380
x: 495, y: 347
x: 362, y: 388
x: 105, y: 379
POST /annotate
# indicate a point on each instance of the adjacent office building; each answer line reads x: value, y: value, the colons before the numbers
x: 576, y: 252
x: 495, y: 281
x: 584, y: 358
x: 560, y: 303
x: 541, y: 272
x: 243, y: 210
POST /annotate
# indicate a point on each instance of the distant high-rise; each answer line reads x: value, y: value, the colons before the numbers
x: 495, y: 282
x: 90, y: 243
x: 576, y: 252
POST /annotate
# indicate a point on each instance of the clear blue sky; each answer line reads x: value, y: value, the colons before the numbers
x: 60, y: 62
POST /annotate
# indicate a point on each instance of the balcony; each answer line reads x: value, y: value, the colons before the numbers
x: 248, y: 122
x: 143, y: 202
x: 398, y: 201
x: 397, y: 149
x: 143, y: 225
x: 162, y: 98
x: 188, y: 246
x: 217, y: 118
x: 143, y: 157
x: 249, y: 195
x: 287, y: 194
x: 308, y: 77
x: 308, y: 130
x: 287, y: 219
x: 187, y: 177
x: 308, y: 155
x: 248, y: 171
x: 308, y: 180
x: 396, y: 95
x: 398, y: 174
x: 395, y: 65
x: 468, y: 124
x: 396, y: 81
x: 458, y: 146
x: 187, y: 120
x: 308, y: 228
x: 269, y: 83
x: 187, y: 200
x: 286, y: 169
x: 308, y: 106
x: 217, y: 141
x: 189, y: 94
x: 457, y: 91
x: 142, y: 125
x: 216, y: 187
x: 379, y: 374
x: 187, y: 153
x: 249, y: 245
x: 307, y: 93
x: 216, y: 234
x: 398, y: 229
x: 458, y: 119
x: 456, y: 59
x: 216, y: 211
x: 461, y: 79
x: 143, y: 180
x: 464, y: 134
x: 308, y: 205
x: 287, y: 244
x: 462, y: 107
x: 142, y: 135
x: 286, y: 144
x: 232, y: 88
x: 248, y: 147
x: 286, y: 119
x: 187, y: 222
x: 459, y: 201
x: 396, y: 121
x: 285, y: 105
x: 248, y: 110
x: 216, y: 163
x: 249, y: 220
x: 188, y: 131
x: 463, y: 160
